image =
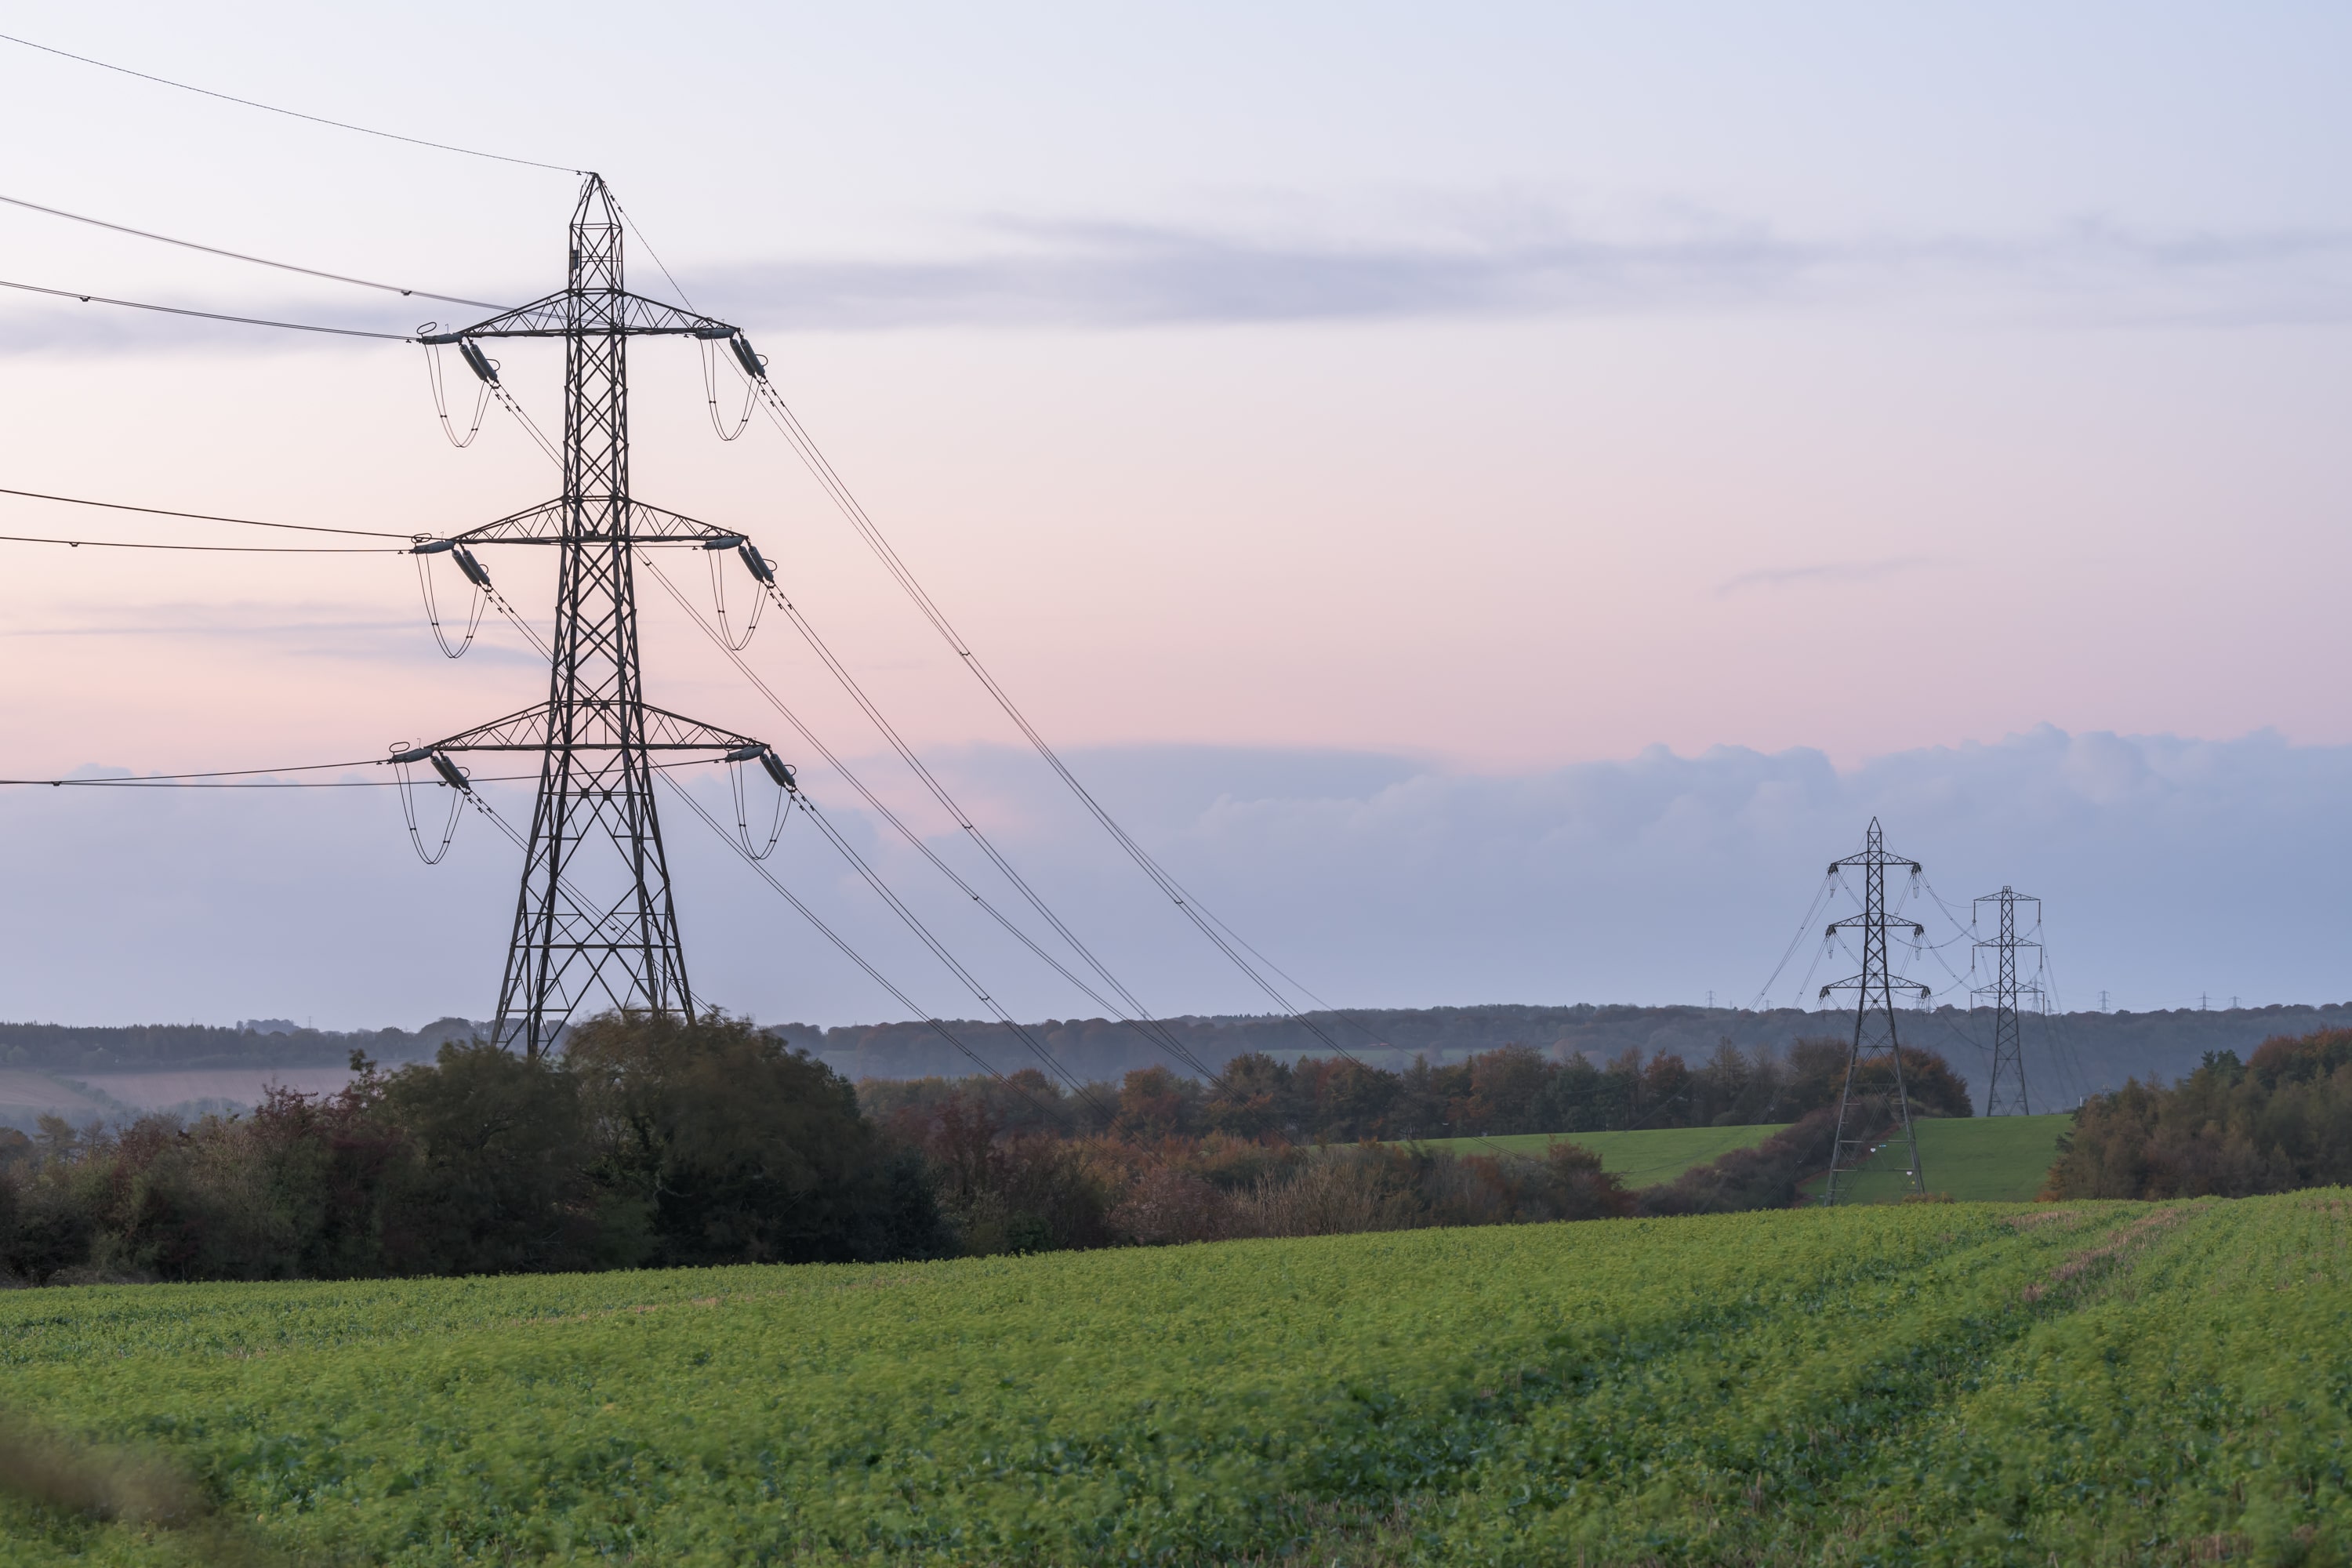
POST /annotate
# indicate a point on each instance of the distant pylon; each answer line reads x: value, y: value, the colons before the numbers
x: 1874, y: 1017
x: 2005, y: 1094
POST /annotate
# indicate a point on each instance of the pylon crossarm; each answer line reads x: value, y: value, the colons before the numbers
x: 544, y: 524
x: 1878, y: 858
x: 529, y: 731
x: 1866, y: 920
x: 1857, y: 983
x: 610, y: 311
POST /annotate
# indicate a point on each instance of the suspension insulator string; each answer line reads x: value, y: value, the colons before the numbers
x: 441, y: 400
x: 408, y: 810
x: 718, y: 599
x: 485, y: 371
x: 433, y: 608
x: 710, y: 394
x: 744, y: 814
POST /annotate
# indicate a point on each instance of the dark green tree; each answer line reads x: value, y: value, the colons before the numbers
x: 738, y: 1150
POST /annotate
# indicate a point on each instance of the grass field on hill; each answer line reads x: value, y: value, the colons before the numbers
x: 1979, y: 1159
x: 2085, y: 1383
x: 1638, y: 1159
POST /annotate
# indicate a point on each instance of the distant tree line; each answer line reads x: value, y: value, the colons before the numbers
x: 2278, y: 1121
x: 2101, y: 1049
x: 1514, y: 1090
x: 67, y: 1047
x: 2086, y: 1051
x: 653, y: 1142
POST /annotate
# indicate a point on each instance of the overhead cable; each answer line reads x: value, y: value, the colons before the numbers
x: 914, y: 840
x: 231, y: 549
x: 1812, y: 912
x: 474, y: 798
x: 940, y: 950
x: 805, y: 445
x: 264, y: 778
x: 256, y: 784
x: 1136, y: 1015
x: 241, y: 256
x: 227, y: 772
x: 204, y: 315
x: 781, y: 414
x: 496, y: 389
x: 203, y: 516
x: 289, y: 113
x: 649, y: 244
x: 1967, y: 928
x: 810, y: 915
x: 756, y: 860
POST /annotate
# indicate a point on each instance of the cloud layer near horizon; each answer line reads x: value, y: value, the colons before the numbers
x: 2169, y: 867
x: 1022, y: 273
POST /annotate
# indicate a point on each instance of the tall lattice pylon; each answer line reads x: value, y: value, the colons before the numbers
x: 2005, y: 1094
x: 596, y: 922
x: 1874, y: 1031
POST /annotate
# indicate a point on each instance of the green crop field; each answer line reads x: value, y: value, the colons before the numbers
x: 1637, y: 1159
x: 1979, y: 1159
x: 2091, y: 1382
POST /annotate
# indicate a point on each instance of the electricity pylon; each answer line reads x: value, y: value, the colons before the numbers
x: 1874, y: 1017
x: 594, y: 921
x: 2008, y: 1040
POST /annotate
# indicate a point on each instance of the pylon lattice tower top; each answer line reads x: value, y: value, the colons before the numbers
x: 2005, y: 1095
x: 596, y: 922
x: 1875, y: 1034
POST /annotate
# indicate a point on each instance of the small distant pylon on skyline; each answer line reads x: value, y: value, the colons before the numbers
x: 2005, y: 1094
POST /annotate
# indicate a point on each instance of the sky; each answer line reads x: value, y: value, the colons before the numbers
x: 1501, y: 493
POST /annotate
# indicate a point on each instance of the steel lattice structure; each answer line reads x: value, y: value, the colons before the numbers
x: 1875, y: 1031
x: 2007, y: 1036
x: 595, y: 921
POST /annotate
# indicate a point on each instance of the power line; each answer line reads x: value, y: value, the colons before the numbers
x: 1138, y: 1016
x: 289, y: 113
x: 199, y: 781
x: 204, y: 315
x: 938, y: 1027
x: 658, y: 262
x: 1161, y: 1039
x: 227, y: 772
x: 241, y: 256
x: 202, y: 516
x: 1804, y: 923
x: 938, y: 949
x: 261, y: 783
x: 781, y: 414
x: 839, y: 491
x: 231, y: 549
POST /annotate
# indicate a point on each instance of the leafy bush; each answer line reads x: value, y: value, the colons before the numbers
x: 2279, y: 1120
x: 650, y: 1140
x: 734, y: 1149
x: 1765, y: 1177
